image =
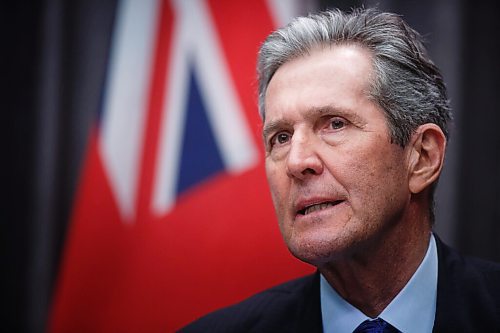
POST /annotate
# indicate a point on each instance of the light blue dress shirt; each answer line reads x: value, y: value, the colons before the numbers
x: 411, y: 311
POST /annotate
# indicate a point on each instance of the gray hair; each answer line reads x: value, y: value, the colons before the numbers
x: 407, y: 84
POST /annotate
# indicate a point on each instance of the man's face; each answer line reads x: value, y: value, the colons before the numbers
x: 338, y: 183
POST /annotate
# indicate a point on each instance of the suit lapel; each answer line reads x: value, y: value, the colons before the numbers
x: 309, y: 312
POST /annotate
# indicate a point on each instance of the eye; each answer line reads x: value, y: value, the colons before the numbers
x: 337, y: 123
x: 280, y: 138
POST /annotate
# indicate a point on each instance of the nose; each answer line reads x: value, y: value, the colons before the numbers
x: 303, y: 160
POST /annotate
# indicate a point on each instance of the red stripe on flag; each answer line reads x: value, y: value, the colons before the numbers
x: 242, y: 27
x: 154, y: 111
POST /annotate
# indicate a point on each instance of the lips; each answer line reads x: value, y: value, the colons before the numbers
x: 308, y: 208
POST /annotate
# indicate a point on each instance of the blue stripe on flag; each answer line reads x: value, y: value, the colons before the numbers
x: 200, y: 157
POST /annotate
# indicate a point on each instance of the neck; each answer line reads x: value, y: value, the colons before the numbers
x: 372, y: 277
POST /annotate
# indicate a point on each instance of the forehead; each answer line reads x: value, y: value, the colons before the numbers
x: 335, y: 76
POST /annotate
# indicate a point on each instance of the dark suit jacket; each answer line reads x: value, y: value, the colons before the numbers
x: 468, y: 300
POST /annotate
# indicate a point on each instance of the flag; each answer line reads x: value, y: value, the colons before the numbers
x: 173, y: 217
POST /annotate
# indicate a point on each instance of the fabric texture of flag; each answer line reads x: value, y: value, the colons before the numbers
x: 173, y: 217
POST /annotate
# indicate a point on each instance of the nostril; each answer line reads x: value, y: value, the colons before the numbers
x: 309, y: 171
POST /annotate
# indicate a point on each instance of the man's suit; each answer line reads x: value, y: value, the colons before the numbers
x: 468, y: 300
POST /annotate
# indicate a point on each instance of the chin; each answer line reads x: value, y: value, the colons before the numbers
x: 319, y: 242
x: 317, y: 252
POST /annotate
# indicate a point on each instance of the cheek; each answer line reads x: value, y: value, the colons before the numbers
x: 278, y: 187
x: 374, y: 173
x: 380, y: 183
x: 277, y: 182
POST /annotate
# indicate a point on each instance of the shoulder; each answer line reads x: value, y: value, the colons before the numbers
x: 468, y: 291
x: 272, y: 310
x: 479, y: 278
x: 467, y: 269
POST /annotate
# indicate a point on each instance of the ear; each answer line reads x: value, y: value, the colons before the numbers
x: 428, y: 146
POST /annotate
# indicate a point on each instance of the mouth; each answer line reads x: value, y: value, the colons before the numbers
x: 317, y: 207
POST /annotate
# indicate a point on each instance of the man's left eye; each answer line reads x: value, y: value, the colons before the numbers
x: 337, y: 123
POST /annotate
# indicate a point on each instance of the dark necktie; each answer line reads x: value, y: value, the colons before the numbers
x: 376, y: 326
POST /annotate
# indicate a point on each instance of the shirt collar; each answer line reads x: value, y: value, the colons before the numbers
x: 412, y: 310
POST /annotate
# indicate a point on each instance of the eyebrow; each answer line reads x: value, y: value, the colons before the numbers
x: 311, y: 114
x: 273, y: 126
x: 330, y: 110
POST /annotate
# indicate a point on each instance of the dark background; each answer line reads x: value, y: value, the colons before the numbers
x: 53, y: 63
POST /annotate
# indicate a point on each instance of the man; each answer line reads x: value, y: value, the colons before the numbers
x: 355, y: 127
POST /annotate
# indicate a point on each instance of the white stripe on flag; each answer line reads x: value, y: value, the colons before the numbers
x: 283, y: 11
x: 126, y: 98
x: 172, y: 126
x: 224, y: 110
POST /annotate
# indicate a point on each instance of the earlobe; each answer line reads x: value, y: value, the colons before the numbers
x: 427, y: 157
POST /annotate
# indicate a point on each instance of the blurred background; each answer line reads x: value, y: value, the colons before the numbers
x: 135, y: 197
